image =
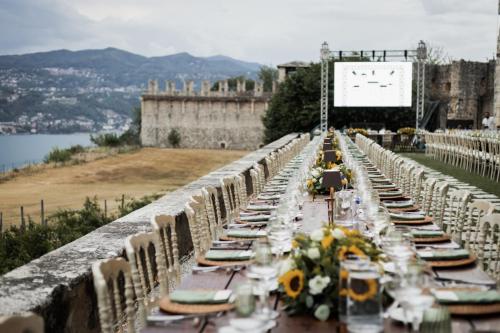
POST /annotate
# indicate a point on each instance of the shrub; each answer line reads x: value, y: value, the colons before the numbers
x: 76, y: 149
x: 18, y: 247
x: 106, y: 140
x: 57, y: 155
x: 174, y: 138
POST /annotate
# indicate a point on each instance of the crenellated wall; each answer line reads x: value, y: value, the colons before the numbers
x: 221, y: 119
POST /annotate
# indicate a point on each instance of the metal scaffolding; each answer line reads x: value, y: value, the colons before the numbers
x: 419, y: 56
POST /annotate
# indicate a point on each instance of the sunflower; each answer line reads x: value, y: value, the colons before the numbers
x: 293, y: 282
x: 295, y: 244
x: 327, y: 241
x: 338, y: 155
x: 309, y: 183
x: 368, y: 289
x: 344, y: 251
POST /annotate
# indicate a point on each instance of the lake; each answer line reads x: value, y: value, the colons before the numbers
x: 19, y: 150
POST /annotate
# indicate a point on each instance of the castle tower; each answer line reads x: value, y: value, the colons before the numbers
x: 152, y: 87
x: 205, y: 88
x: 258, y: 89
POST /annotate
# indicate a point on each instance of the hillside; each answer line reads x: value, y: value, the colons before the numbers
x: 65, y: 91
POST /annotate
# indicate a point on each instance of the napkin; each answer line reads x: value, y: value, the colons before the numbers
x: 254, y: 218
x: 398, y: 204
x: 407, y: 216
x: 230, y: 255
x: 390, y: 193
x: 242, y: 233
x: 268, y: 196
x: 200, y: 296
x: 443, y: 254
x: 384, y: 186
x: 427, y: 233
x: 261, y: 207
x: 467, y: 297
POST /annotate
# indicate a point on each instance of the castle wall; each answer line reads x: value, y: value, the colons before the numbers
x: 233, y: 121
x: 465, y: 89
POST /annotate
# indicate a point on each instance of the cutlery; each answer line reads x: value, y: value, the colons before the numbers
x: 445, y: 279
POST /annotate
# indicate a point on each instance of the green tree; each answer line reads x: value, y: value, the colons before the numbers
x: 174, y: 138
x: 268, y: 75
x: 295, y: 106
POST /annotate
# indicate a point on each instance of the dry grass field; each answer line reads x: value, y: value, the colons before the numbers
x: 142, y: 172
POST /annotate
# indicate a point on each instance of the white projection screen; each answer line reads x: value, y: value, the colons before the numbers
x: 365, y: 84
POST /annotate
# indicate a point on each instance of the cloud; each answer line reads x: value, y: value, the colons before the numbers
x: 260, y: 30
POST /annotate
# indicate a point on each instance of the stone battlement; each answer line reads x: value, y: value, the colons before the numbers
x: 205, y: 91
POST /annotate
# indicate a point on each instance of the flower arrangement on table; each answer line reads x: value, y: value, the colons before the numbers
x: 315, y: 179
x: 310, y: 276
x: 407, y: 131
x: 354, y: 131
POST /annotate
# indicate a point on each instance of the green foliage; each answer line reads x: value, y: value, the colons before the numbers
x: 57, y: 155
x: 106, y: 140
x: 131, y: 137
x: 296, y: 108
x: 174, y: 138
x: 76, y: 149
x: 18, y: 247
x: 268, y: 75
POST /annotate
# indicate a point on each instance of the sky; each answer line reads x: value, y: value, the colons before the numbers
x: 265, y: 31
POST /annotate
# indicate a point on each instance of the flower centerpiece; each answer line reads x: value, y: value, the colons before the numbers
x: 407, y: 131
x: 353, y: 131
x: 315, y: 180
x: 310, y: 276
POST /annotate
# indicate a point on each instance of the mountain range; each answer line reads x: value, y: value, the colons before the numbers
x: 94, y: 89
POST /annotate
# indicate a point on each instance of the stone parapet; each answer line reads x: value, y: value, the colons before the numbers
x: 59, y: 285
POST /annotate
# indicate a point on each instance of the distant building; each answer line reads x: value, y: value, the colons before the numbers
x: 284, y: 70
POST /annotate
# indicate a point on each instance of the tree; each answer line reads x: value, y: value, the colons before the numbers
x: 437, y: 55
x: 295, y: 106
x: 174, y: 138
x: 268, y: 75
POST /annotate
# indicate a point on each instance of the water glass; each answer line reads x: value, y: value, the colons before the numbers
x: 364, y: 299
x: 350, y: 263
x: 245, y: 300
x: 436, y: 320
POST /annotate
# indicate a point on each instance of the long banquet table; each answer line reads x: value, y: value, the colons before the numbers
x: 314, y: 213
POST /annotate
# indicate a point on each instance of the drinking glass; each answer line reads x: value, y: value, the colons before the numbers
x: 265, y: 271
x: 350, y: 263
x: 436, y: 320
x: 364, y: 300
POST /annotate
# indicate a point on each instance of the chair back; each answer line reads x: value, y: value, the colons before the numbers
x: 115, y: 295
x: 167, y: 252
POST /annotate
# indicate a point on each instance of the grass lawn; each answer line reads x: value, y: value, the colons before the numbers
x: 142, y: 172
x: 483, y: 183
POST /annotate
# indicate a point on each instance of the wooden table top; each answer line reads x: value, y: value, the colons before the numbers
x: 314, y: 213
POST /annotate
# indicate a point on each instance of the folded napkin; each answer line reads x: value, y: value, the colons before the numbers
x: 268, y: 196
x: 261, y: 207
x: 381, y: 180
x: 407, y: 216
x: 390, y: 193
x: 427, y: 233
x: 398, y: 204
x: 230, y: 255
x: 443, y: 254
x: 254, y: 218
x: 467, y: 297
x: 242, y: 233
x: 383, y: 186
x: 200, y: 296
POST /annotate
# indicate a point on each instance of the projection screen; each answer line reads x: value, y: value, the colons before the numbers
x: 365, y: 84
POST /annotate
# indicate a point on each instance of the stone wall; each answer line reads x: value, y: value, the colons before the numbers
x: 59, y: 285
x: 208, y: 119
x: 464, y: 89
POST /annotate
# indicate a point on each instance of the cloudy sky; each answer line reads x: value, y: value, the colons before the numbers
x: 266, y: 31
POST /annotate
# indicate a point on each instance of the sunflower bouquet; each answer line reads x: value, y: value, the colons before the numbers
x: 309, y: 278
x: 407, y: 131
x: 320, y: 160
x: 315, y: 180
x: 353, y: 131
